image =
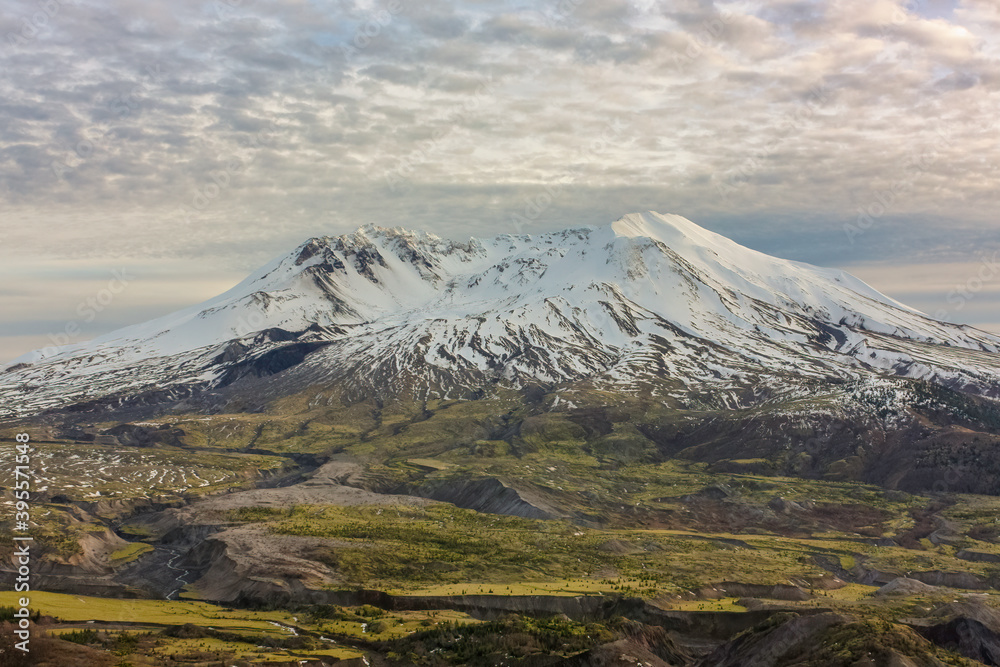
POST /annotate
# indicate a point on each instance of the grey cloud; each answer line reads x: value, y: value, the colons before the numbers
x: 510, y: 28
x: 409, y: 76
x: 603, y: 48
x: 803, y: 15
x: 955, y: 81
x: 438, y: 20
x: 698, y: 112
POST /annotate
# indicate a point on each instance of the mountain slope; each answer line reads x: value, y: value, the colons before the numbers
x: 651, y: 303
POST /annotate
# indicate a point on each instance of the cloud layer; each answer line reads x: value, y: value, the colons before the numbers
x: 834, y: 131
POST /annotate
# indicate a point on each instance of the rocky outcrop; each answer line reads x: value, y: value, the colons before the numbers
x: 629, y: 653
x: 970, y: 628
x: 247, y: 564
x: 132, y: 435
x: 966, y: 580
x: 92, y: 558
x: 985, y: 614
x: 978, y: 556
x: 772, y: 641
x: 704, y: 625
x: 794, y: 639
x: 731, y: 589
x: 869, y: 576
x: 490, y: 495
x: 967, y: 637
x: 905, y: 586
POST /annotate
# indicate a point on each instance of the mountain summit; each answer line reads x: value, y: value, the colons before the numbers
x: 650, y: 303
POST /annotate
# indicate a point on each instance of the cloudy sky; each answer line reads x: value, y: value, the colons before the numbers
x: 167, y: 148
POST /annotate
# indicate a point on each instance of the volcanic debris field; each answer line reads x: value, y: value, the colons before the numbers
x: 496, y: 532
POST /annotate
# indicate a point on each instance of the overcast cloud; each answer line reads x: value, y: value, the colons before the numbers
x: 216, y: 134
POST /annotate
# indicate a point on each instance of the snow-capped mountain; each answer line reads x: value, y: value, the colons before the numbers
x: 650, y: 302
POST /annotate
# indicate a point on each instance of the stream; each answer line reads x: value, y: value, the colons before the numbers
x: 175, y: 594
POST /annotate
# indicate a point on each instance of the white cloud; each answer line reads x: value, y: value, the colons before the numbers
x: 189, y: 131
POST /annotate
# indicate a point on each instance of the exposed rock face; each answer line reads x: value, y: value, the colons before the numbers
x: 971, y: 629
x: 978, y: 556
x: 132, y: 435
x: 932, y: 578
x: 985, y: 614
x: 242, y: 563
x: 492, y: 496
x: 787, y: 640
x: 93, y: 557
x: 905, y: 586
x: 735, y: 589
x: 953, y: 579
x: 769, y: 646
x: 628, y: 653
x: 968, y: 637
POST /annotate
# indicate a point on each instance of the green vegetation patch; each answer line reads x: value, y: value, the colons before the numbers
x: 130, y: 553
